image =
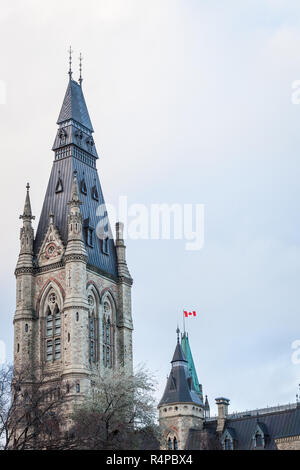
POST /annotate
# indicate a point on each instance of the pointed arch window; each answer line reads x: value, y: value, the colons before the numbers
x: 227, y: 444
x: 175, y: 444
x: 107, y: 336
x: 228, y: 439
x: 92, y: 329
x: 259, y: 436
x: 169, y: 444
x: 53, y: 329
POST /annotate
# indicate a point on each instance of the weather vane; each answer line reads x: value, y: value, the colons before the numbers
x: 80, y: 69
x: 70, y: 62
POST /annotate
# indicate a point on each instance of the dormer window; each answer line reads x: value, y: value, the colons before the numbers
x: 95, y: 194
x: 89, y: 236
x: 83, y: 188
x: 228, y: 439
x: 259, y: 440
x: 89, y: 232
x: 59, y: 186
x: 259, y: 436
x: 227, y: 444
x: 105, y: 245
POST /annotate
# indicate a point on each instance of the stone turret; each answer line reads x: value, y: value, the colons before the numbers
x: 24, y: 315
x: 180, y: 407
x: 124, y: 293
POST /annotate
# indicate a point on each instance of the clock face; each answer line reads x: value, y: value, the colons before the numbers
x: 51, y: 250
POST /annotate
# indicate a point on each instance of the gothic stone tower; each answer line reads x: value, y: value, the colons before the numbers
x: 181, y: 406
x: 73, y: 306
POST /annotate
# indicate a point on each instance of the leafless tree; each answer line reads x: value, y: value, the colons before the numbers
x: 30, y: 411
x: 117, y: 413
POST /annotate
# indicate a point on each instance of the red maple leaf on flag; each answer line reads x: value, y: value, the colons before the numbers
x: 187, y: 314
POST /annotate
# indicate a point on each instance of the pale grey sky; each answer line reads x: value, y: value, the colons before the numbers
x: 191, y: 103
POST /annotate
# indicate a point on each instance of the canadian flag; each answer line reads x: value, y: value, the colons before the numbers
x: 187, y: 314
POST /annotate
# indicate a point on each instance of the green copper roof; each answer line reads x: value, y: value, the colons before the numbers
x: 191, y: 366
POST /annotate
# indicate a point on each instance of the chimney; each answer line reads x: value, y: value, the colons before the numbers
x: 121, y: 252
x: 223, y: 404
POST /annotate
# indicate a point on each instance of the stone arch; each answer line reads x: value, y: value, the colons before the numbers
x: 50, y: 284
x: 108, y: 328
x: 107, y: 295
x: 50, y: 308
x: 95, y: 287
x: 94, y: 314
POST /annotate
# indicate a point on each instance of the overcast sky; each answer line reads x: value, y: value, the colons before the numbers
x: 191, y: 103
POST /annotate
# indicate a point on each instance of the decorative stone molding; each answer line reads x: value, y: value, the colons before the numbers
x: 76, y: 307
x: 27, y: 270
x: 76, y: 257
x: 125, y: 280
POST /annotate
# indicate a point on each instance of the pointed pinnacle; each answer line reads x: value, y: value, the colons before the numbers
x: 27, y: 214
x: 75, y: 193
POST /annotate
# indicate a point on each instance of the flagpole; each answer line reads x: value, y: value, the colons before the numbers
x: 183, y: 321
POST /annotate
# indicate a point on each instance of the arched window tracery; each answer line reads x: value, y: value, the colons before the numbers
x: 107, y: 334
x: 52, y: 328
x: 93, y: 336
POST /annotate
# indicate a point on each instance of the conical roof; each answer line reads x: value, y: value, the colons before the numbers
x: 180, y: 386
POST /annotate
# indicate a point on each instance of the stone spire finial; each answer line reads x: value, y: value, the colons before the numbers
x: 178, y: 332
x: 27, y: 214
x: 75, y: 201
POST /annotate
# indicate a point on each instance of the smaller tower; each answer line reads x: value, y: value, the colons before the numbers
x: 24, y: 316
x: 180, y: 407
x: 124, y: 294
x: 76, y: 365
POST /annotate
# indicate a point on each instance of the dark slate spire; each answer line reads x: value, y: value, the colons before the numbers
x: 180, y: 386
x: 75, y: 150
x: 74, y: 107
